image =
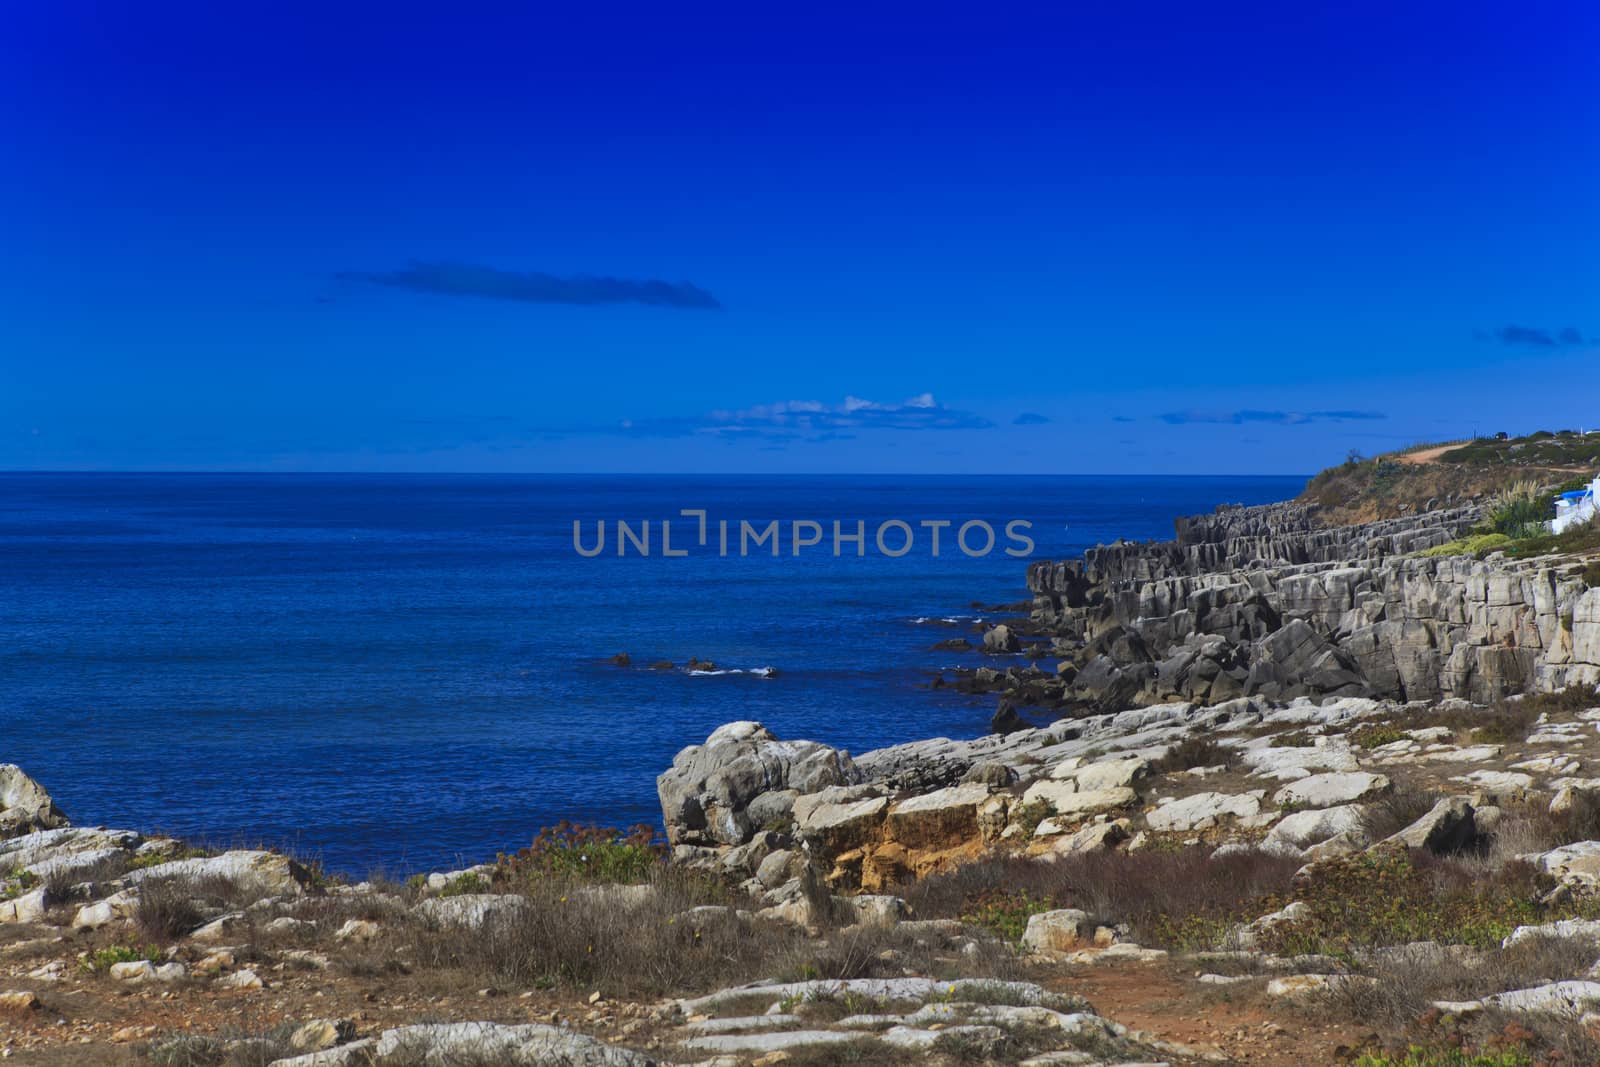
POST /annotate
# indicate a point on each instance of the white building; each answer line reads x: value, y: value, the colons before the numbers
x: 1575, y: 508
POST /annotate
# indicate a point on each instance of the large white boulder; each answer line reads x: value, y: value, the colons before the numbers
x: 1328, y: 790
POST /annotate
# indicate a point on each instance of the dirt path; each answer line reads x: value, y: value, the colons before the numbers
x: 1426, y: 455
x: 1238, y: 1019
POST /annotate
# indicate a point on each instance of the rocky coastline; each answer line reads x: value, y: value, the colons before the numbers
x: 1301, y: 764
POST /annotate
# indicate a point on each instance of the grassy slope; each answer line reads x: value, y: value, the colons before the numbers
x: 1362, y: 490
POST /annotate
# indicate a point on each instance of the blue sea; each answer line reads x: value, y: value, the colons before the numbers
x: 412, y: 672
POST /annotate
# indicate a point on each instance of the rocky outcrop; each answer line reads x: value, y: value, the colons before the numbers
x: 742, y: 778
x: 1262, y: 602
x: 24, y: 804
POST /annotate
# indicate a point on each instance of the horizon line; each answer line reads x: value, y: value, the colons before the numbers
x: 622, y: 474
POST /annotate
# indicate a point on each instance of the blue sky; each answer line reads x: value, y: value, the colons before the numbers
x: 1141, y: 238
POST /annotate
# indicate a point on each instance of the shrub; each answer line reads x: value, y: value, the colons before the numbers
x: 589, y: 854
x: 1584, y: 537
x: 1417, y: 1056
x: 1005, y: 913
x: 1521, y: 510
x: 18, y: 883
x: 1376, y: 734
x: 166, y: 910
x: 1479, y: 545
x: 573, y: 933
x: 1194, y: 752
x: 1394, y: 898
x: 1180, y: 898
x: 103, y: 960
x: 463, y: 884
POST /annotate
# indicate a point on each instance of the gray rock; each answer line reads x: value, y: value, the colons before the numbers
x: 252, y: 870
x: 1000, y: 639
x: 706, y: 795
x: 1306, y: 828
x: 1449, y: 826
x: 473, y: 911
x: 1327, y: 790
x: 526, y: 1045
x: 1204, y: 810
x: 1061, y: 930
x: 355, y: 1054
x: 24, y: 804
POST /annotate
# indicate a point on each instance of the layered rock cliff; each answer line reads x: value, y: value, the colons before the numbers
x: 1262, y: 601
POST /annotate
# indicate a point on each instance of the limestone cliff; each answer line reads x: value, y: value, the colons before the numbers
x: 1263, y: 601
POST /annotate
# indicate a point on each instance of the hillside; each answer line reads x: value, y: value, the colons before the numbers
x: 1430, y: 476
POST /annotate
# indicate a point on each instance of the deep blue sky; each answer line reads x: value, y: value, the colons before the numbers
x: 1160, y: 238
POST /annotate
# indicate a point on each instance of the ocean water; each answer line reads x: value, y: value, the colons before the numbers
x: 403, y: 673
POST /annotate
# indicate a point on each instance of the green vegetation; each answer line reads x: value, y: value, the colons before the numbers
x: 1004, y: 912
x: 1381, y: 733
x: 103, y: 960
x: 1392, y: 898
x: 1564, y: 448
x: 1417, y: 1056
x: 1477, y: 545
x: 595, y: 854
x: 1027, y: 817
x: 1521, y: 510
x: 465, y: 883
x: 155, y: 858
x: 17, y: 883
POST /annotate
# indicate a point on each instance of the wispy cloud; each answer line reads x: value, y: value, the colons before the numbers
x: 1534, y: 337
x: 791, y: 420
x: 1281, y: 418
x: 813, y: 418
x: 465, y: 279
x: 1029, y: 418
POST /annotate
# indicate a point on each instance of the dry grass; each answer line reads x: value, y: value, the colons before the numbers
x: 1195, y: 752
x: 1395, y: 810
x: 1411, y: 978
x: 624, y: 945
x: 1169, y: 898
x: 167, y: 910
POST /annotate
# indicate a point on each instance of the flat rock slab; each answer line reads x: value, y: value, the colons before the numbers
x: 917, y: 990
x: 526, y: 1045
x: 1204, y: 810
x: 761, y: 1043
x: 1568, y: 999
x: 1327, y: 790
x: 265, y: 872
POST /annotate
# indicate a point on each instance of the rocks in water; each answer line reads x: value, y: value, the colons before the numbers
x: 1006, y: 720
x: 622, y: 659
x: 1000, y: 640
x: 24, y: 804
